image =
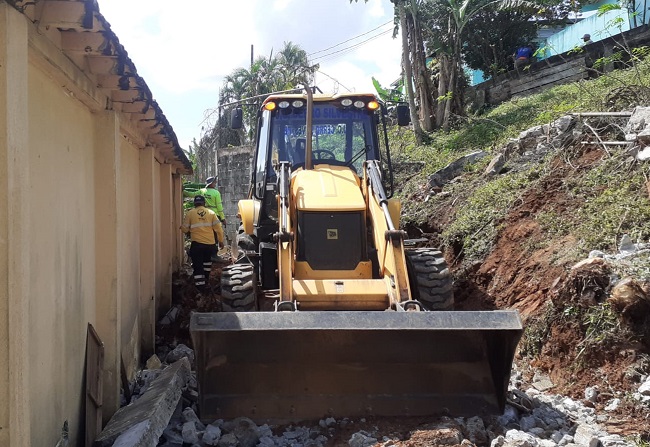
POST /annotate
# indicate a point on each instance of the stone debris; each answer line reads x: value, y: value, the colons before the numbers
x: 153, y: 362
x: 178, y: 353
x: 532, y: 418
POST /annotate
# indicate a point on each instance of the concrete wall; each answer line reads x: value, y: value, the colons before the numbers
x: 88, y: 234
x: 233, y: 174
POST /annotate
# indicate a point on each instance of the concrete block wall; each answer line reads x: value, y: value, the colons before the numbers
x: 233, y: 180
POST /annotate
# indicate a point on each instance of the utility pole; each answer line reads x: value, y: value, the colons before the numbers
x: 251, y: 55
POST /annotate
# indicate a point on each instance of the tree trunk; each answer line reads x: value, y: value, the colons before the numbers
x: 422, y: 79
x: 443, y: 84
x: 408, y: 73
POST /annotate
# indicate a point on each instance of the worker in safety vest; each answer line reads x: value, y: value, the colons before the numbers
x: 212, y: 198
x: 202, y: 224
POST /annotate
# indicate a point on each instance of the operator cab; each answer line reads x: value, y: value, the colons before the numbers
x: 345, y: 132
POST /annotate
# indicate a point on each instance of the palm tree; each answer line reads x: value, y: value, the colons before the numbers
x: 286, y: 70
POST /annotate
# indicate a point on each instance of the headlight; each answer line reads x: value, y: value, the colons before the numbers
x: 269, y: 105
x: 347, y: 102
x: 359, y: 104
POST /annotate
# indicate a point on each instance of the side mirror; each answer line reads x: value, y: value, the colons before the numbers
x: 403, y: 114
x: 236, y: 118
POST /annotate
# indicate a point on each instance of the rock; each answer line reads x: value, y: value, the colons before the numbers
x: 542, y: 382
x: 527, y: 423
x: 564, y: 123
x: 629, y: 297
x: 361, y: 439
x: 591, y: 394
x: 643, y: 155
x: 190, y: 434
x: 495, y: 166
x: 516, y: 438
x: 476, y: 432
x: 644, y: 389
x: 509, y: 416
x: 328, y: 422
x: 190, y: 416
x: 170, y: 317
x: 588, y: 262
x: 454, y: 169
x: 637, y: 123
x: 178, y: 353
x: 626, y: 245
x: 153, y: 362
x: 586, y: 436
x: 446, y: 435
x: 613, y: 441
x: 228, y: 440
x: 267, y: 441
x: 211, y: 435
x: 566, y: 440
x: 244, y: 429
x: 596, y: 254
x: 613, y: 404
x: 643, y: 137
x: 173, y: 436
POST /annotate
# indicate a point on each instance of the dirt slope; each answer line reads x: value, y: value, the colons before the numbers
x: 531, y: 271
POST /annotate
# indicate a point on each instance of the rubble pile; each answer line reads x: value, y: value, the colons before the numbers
x: 533, y: 417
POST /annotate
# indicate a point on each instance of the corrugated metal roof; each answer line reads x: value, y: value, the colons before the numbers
x: 86, y: 38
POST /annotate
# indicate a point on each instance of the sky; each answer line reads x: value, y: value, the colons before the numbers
x: 183, y: 50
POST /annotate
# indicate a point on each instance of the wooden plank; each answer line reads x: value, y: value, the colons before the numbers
x: 94, y: 384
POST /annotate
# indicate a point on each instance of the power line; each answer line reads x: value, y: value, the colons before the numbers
x: 335, y: 80
x: 348, y: 49
x: 353, y: 38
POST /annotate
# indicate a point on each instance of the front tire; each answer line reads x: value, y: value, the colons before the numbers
x: 238, y: 288
x: 429, y: 278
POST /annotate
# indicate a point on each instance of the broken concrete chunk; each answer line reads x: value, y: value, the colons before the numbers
x: 179, y: 352
x: 151, y: 411
x: 211, y: 435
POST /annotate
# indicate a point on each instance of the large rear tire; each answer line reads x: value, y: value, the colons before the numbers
x: 245, y: 242
x: 238, y: 288
x: 429, y: 278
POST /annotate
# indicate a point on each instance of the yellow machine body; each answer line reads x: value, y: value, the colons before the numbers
x: 359, y: 324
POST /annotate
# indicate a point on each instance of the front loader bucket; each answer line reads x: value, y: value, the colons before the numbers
x: 291, y: 366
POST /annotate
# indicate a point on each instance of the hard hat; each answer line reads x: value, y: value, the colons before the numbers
x: 199, y: 200
x: 210, y: 180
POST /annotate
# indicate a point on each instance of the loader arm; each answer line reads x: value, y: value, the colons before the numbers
x: 389, y: 241
x: 284, y: 239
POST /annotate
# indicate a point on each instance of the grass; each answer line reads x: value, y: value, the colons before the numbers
x: 611, y: 195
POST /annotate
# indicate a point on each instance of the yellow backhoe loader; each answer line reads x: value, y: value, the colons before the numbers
x: 330, y: 313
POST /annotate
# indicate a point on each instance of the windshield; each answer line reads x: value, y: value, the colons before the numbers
x: 341, y: 136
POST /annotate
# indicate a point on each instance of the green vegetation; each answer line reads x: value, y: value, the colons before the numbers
x: 478, y: 221
x: 609, y: 194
